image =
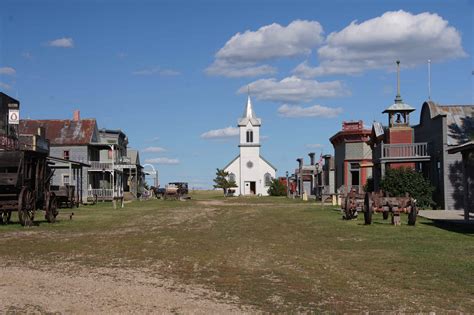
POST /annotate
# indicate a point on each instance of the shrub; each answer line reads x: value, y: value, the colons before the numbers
x: 277, y: 188
x: 399, y: 181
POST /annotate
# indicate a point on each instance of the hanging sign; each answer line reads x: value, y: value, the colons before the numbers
x: 13, y: 116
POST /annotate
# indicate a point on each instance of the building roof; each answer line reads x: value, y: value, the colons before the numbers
x: 465, y: 147
x: 249, y: 115
x: 352, y: 131
x: 459, y: 120
x: 63, y: 131
x: 399, y: 107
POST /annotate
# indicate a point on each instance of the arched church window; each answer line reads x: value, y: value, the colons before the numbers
x: 232, y: 177
x: 249, y: 136
x: 267, y: 178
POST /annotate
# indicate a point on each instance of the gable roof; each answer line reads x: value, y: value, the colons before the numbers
x: 63, y: 131
x: 459, y: 120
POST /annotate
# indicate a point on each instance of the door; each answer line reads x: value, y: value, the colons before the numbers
x: 252, y: 188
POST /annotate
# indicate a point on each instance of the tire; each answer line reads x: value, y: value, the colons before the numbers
x: 51, y: 208
x: 6, y: 216
x: 26, y: 207
x: 367, y: 210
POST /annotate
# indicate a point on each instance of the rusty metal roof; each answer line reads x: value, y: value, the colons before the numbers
x: 459, y: 120
x: 63, y: 131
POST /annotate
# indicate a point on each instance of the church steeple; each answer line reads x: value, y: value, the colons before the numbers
x: 249, y: 115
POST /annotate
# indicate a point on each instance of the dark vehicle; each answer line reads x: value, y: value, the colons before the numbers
x: 182, y: 188
x: 24, y: 170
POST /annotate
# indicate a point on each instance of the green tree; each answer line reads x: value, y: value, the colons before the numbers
x: 222, y: 181
x: 277, y: 188
x: 399, y: 181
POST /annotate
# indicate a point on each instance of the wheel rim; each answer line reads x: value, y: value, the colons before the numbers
x: 26, y: 209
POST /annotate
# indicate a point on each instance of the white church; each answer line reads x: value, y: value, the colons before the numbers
x: 250, y: 171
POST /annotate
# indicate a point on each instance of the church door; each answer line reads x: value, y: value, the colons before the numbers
x: 249, y: 188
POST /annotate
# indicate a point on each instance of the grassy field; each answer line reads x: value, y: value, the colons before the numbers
x: 275, y: 254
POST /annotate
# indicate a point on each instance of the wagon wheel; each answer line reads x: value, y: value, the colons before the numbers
x: 346, y: 209
x: 26, y: 207
x: 6, y: 216
x: 51, y: 208
x: 412, y: 215
x: 367, y: 209
x: 385, y: 215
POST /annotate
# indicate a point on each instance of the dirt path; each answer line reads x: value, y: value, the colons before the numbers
x: 26, y: 290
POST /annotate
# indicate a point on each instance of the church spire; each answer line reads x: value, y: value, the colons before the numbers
x: 249, y: 114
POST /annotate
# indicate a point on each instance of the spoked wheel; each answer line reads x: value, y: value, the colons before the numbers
x: 6, y: 216
x: 26, y: 207
x: 412, y: 215
x: 51, y: 208
x: 367, y: 210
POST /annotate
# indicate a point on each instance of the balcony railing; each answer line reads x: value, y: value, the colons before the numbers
x: 405, y: 151
x: 97, y: 165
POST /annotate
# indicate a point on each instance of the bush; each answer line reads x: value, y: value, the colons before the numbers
x: 277, y: 188
x: 399, y: 181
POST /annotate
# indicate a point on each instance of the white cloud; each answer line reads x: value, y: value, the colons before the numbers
x: 237, y: 70
x: 27, y: 55
x: 294, y: 90
x: 122, y: 55
x: 228, y: 132
x: 241, y: 54
x: 162, y: 160
x: 7, y: 71
x: 65, y: 42
x: 312, y: 111
x: 314, y: 146
x: 154, y: 150
x: 378, y: 42
x: 5, y: 86
x: 156, y: 71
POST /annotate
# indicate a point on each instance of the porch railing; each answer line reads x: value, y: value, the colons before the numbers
x: 403, y: 151
x: 100, y: 193
x: 97, y: 165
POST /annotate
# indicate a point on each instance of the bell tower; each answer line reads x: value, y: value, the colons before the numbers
x: 399, y: 129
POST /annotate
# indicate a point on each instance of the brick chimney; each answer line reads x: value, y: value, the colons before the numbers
x: 311, y: 157
x: 77, y: 115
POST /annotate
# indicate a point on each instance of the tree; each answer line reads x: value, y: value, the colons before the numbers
x: 222, y: 181
x: 277, y: 188
x: 398, y: 181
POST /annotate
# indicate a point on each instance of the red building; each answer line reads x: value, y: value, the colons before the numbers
x: 352, y: 156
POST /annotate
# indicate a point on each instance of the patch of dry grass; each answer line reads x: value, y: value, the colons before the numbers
x: 273, y: 253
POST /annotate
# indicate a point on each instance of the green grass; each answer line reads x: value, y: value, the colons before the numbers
x: 275, y: 253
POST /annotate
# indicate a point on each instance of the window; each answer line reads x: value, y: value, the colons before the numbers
x: 110, y: 154
x: 66, y: 154
x: 249, y: 136
x: 232, y: 177
x: 267, y: 178
x: 65, y: 180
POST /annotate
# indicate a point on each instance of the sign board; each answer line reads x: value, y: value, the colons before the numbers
x: 13, y: 116
x: 378, y: 129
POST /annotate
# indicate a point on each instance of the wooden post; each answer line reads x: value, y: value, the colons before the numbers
x: 466, y: 193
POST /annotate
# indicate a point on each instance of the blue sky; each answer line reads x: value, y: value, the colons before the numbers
x: 168, y: 72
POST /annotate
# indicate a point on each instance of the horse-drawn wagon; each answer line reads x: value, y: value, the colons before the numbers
x: 24, y: 170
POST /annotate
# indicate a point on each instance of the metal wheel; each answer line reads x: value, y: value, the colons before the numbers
x: 26, y: 207
x: 367, y: 210
x: 412, y: 215
x: 385, y: 215
x: 51, y: 207
x: 6, y: 216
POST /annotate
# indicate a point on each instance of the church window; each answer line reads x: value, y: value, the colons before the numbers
x: 249, y: 136
x: 267, y: 178
x: 232, y: 177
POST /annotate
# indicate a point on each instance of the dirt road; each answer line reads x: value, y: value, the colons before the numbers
x: 27, y: 290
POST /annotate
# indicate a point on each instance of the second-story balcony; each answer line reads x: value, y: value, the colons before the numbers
x: 101, y: 166
x: 405, y: 152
